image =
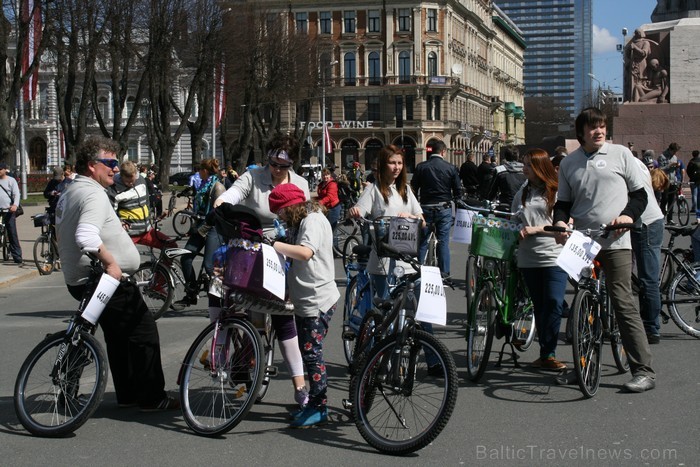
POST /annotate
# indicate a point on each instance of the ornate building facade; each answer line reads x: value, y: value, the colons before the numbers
x: 406, y: 73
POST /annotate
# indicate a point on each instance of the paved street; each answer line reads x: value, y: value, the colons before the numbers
x: 515, y: 416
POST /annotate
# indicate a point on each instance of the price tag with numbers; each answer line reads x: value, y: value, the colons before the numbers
x: 462, y: 231
x: 432, y: 305
x: 273, y: 271
x: 578, y: 253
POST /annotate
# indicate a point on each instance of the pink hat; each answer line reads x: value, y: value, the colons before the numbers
x: 285, y: 195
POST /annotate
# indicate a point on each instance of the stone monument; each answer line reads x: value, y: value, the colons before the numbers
x: 661, y: 73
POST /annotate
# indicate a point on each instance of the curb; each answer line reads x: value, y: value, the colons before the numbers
x: 18, y: 278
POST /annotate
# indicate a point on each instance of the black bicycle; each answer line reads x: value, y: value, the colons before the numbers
x: 62, y: 381
x: 45, y: 246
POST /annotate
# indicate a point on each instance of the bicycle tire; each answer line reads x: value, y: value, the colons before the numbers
x: 684, y: 302
x: 431, y: 258
x: 43, y: 255
x: 5, y: 246
x: 524, y: 327
x: 587, y: 342
x: 480, y: 332
x: 269, y: 349
x: 349, y: 244
x: 400, y: 416
x: 683, y: 211
x: 618, y: 350
x: 182, y: 222
x: 471, y: 276
x: 351, y: 309
x: 156, y: 286
x: 366, y: 338
x: 214, y: 402
x: 57, y: 406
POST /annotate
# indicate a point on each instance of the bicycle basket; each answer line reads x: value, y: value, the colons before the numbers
x: 403, y: 234
x: 494, y: 238
x: 235, y: 221
x: 41, y: 220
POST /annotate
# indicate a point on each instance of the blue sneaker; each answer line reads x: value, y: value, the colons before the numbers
x: 310, y: 416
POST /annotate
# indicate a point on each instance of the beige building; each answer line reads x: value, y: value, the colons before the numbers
x: 406, y: 73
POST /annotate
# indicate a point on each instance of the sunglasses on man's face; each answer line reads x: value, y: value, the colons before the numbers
x: 111, y: 163
x: 279, y: 166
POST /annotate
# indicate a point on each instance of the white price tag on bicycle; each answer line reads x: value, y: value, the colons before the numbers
x: 462, y: 231
x: 432, y: 305
x: 578, y: 253
x: 273, y: 271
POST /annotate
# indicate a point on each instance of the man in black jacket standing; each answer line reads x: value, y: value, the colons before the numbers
x: 468, y: 173
x: 436, y: 182
x: 508, y: 180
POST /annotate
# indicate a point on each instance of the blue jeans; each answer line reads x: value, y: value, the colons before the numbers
x: 442, y: 220
x: 694, y: 196
x: 547, y: 287
x: 333, y: 215
x: 195, y: 244
x: 12, y: 237
x: 647, y: 251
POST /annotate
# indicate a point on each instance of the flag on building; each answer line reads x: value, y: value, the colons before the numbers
x: 327, y: 137
x: 31, y: 15
x: 219, y: 94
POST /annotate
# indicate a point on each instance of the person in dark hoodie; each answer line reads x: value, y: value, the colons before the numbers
x: 508, y: 179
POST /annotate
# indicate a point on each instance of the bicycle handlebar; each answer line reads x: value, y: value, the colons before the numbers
x: 603, y: 230
x: 490, y: 209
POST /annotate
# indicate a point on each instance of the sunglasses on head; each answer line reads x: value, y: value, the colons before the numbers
x: 279, y: 166
x: 111, y: 163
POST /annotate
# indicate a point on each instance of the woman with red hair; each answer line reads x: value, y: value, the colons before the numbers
x: 538, y: 251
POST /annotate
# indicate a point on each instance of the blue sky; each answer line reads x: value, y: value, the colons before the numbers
x: 609, y: 17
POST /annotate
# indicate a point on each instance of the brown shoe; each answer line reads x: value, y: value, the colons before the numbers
x: 549, y: 363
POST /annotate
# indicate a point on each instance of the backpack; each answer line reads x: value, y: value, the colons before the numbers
x: 693, y: 170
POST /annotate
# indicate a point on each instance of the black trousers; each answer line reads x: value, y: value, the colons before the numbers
x: 133, y: 346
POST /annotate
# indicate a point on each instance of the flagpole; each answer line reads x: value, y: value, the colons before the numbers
x: 213, y: 118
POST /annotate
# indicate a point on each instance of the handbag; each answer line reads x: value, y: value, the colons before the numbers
x: 19, y: 211
x: 402, y: 234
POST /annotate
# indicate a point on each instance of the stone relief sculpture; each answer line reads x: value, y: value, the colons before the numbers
x: 654, y: 87
x: 646, y: 78
x: 638, y: 49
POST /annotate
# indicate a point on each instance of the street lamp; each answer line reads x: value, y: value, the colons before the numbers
x: 600, y: 97
x: 323, y: 114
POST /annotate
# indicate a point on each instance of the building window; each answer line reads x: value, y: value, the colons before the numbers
x: 133, y: 151
x: 303, y: 23
x: 432, y: 64
x: 349, y: 21
x: 326, y: 22
x: 374, y: 69
x: 350, y: 69
x: 432, y: 20
x: 374, y: 21
x: 329, y: 109
x: 399, y: 111
x: 103, y: 108
x: 303, y: 114
x: 404, y: 19
x: 438, y: 100
x: 350, y: 108
x: 409, y: 107
x: 404, y: 67
x: 429, y: 108
x: 130, y: 101
x: 373, y: 108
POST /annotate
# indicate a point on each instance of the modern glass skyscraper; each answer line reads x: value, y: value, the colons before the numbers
x: 558, y: 57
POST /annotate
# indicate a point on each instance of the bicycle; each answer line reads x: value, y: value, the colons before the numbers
x: 500, y: 305
x: 594, y: 321
x: 397, y: 404
x: 682, y: 206
x: 431, y: 255
x: 184, y: 219
x: 63, y: 379
x: 45, y: 250
x: 4, y: 241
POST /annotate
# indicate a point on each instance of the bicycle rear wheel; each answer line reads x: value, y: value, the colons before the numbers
x: 156, y: 286
x: 618, y: 350
x: 59, y: 388
x: 480, y: 331
x: 5, y: 247
x: 684, y: 301
x: 217, y: 389
x: 182, y: 222
x: 431, y: 252
x: 524, y: 327
x: 587, y: 341
x: 44, y: 255
x: 398, y: 408
x: 683, y: 211
x: 269, y: 349
x: 366, y: 338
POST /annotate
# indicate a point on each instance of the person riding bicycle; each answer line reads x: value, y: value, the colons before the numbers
x: 311, y: 286
x: 538, y: 252
x: 85, y: 219
x: 600, y: 183
x: 436, y: 183
x: 129, y: 196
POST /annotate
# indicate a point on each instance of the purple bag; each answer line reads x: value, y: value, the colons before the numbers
x: 244, y: 268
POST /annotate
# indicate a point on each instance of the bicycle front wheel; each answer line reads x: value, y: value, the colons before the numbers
x: 587, y: 341
x: 182, y: 222
x: 397, y: 406
x: 683, y: 211
x: 480, y: 330
x: 60, y: 384
x: 220, y: 383
x: 472, y: 273
x: 366, y: 338
x: 431, y: 252
x: 349, y: 244
x: 269, y: 349
x: 5, y: 246
x: 44, y: 255
x: 618, y: 350
x: 156, y: 286
x: 684, y: 301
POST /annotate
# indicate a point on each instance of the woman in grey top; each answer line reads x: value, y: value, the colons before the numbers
x: 252, y: 189
x: 538, y: 251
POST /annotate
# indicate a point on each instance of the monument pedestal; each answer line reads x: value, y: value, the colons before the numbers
x: 656, y: 126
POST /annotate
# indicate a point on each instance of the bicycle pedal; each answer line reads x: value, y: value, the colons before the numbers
x: 347, y: 405
x: 271, y: 371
